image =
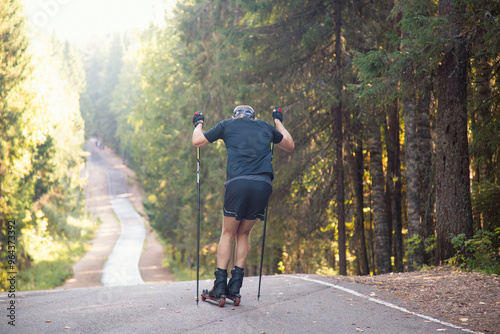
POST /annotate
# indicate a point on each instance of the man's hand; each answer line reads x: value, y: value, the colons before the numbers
x: 287, y: 143
x: 277, y: 114
x: 198, y: 118
x: 199, y: 139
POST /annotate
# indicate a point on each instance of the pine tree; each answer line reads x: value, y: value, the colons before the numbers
x: 453, y: 198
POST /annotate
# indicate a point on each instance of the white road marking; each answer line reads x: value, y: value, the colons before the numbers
x: 378, y: 301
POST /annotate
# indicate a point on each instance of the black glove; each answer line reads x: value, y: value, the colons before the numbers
x: 277, y: 114
x: 198, y: 118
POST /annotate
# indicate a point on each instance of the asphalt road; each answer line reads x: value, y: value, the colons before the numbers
x: 288, y: 304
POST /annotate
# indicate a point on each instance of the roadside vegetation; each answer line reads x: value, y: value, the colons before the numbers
x: 44, y: 226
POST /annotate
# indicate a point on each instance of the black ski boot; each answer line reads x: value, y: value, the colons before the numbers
x: 235, y: 284
x: 218, y: 292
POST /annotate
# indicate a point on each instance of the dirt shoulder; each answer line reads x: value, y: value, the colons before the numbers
x: 470, y: 300
x: 87, y: 271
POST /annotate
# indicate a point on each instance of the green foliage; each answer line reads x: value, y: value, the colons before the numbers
x: 54, y: 250
x: 479, y: 253
x: 413, y: 243
x: 44, y: 167
x: 41, y: 138
x: 17, y: 148
x: 46, y: 275
x: 15, y: 98
x: 485, y: 199
x: 430, y: 245
x: 103, y: 64
x: 378, y: 83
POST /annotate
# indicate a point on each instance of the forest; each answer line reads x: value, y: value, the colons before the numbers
x: 393, y: 106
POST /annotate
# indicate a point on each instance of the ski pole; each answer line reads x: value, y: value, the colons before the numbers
x: 263, y: 244
x: 264, y: 232
x: 198, y: 229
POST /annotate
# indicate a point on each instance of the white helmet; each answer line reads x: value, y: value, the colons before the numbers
x: 243, y: 109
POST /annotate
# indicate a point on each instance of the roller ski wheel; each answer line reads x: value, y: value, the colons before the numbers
x: 235, y: 299
x: 220, y: 301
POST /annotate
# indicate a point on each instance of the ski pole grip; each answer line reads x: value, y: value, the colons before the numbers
x: 277, y: 114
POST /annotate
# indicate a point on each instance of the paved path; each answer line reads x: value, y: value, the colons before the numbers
x: 288, y: 304
x: 113, y: 194
x: 122, y: 266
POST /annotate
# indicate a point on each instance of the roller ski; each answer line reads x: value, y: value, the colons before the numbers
x: 218, y: 292
x: 234, y: 285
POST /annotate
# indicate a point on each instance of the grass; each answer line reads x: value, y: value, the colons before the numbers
x: 180, y: 270
x: 54, y: 254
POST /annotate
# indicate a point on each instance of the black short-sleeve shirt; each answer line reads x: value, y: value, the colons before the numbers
x: 248, y: 144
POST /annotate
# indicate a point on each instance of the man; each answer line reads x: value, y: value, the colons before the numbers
x: 248, y: 184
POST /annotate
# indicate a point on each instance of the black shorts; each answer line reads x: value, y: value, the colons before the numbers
x: 246, y: 199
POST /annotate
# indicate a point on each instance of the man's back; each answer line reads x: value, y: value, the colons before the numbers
x: 248, y: 143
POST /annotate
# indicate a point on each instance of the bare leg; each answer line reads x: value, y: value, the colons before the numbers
x: 224, y: 250
x: 243, y: 242
x: 231, y: 230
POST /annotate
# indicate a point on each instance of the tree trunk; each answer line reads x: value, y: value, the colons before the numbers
x: 425, y: 166
x: 388, y: 209
x: 481, y: 125
x: 453, y: 201
x: 394, y: 184
x: 355, y: 169
x: 339, y: 150
x: 394, y: 167
x: 381, y: 225
x: 359, y: 224
x: 371, y: 237
x: 414, y: 245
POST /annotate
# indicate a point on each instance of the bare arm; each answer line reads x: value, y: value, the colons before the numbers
x: 287, y: 143
x: 199, y: 139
